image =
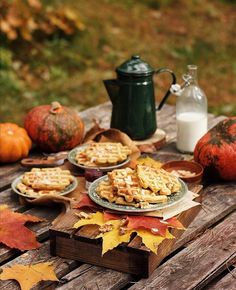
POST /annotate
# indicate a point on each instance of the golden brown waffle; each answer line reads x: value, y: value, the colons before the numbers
x: 158, y: 180
x: 27, y: 190
x: 47, y: 179
x: 106, y: 191
x: 123, y: 187
x: 103, y: 154
x: 125, y: 182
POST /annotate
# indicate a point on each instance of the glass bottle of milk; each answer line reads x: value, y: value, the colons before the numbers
x: 191, y: 112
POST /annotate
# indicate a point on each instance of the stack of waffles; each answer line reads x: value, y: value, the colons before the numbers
x: 102, y: 154
x: 41, y: 181
x: 140, y: 187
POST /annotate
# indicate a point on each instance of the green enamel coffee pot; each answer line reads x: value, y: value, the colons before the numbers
x: 133, y: 99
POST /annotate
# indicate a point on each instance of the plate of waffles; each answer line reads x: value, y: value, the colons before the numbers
x: 104, y: 156
x: 40, y: 182
x: 137, y: 190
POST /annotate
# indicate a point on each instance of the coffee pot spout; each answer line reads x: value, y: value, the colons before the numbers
x: 112, y: 87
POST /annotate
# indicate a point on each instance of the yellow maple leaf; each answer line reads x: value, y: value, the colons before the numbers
x: 94, y: 219
x: 112, y: 239
x: 29, y: 275
x: 152, y: 241
x: 148, y: 161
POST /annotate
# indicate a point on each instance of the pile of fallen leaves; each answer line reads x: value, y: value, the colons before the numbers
x: 116, y: 229
x: 20, y: 18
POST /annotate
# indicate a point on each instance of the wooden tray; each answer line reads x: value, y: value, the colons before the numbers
x: 133, y: 258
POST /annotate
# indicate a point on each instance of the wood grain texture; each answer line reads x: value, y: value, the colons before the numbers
x: 217, y: 202
x: 199, y: 263
x: 11, y: 199
x: 228, y: 282
x: 92, y: 277
x: 62, y: 266
x: 8, y: 176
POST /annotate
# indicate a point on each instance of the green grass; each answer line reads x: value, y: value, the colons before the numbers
x: 168, y: 33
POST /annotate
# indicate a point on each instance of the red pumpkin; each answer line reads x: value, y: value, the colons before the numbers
x: 54, y: 127
x: 217, y: 149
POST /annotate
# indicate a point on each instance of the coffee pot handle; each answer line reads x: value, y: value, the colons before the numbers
x: 164, y: 70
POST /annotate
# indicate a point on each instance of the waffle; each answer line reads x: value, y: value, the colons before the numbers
x: 125, y: 182
x: 158, y: 180
x: 103, y: 154
x: 123, y: 187
x: 47, y: 179
x: 31, y: 192
x: 106, y: 191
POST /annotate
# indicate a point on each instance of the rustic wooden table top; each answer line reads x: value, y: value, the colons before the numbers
x: 204, y: 256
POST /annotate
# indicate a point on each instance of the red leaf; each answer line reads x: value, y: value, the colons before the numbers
x: 85, y: 201
x: 150, y: 223
x: 173, y: 223
x: 13, y: 233
x: 110, y: 216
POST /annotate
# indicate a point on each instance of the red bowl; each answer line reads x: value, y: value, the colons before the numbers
x: 188, y: 171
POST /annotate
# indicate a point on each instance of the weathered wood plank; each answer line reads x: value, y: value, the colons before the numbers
x: 228, y: 282
x: 196, y: 265
x: 7, y: 177
x: 10, y: 198
x: 62, y: 266
x: 217, y: 202
x: 91, y: 277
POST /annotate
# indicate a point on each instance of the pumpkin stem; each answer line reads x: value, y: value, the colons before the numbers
x: 55, y: 107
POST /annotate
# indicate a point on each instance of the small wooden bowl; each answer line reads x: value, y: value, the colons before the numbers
x: 184, y: 167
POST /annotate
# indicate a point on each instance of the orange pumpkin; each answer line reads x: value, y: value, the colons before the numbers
x: 216, y: 150
x: 54, y: 127
x: 14, y: 142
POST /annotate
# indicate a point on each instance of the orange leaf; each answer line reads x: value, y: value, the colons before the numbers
x: 29, y: 275
x: 149, y: 223
x: 35, y: 4
x: 111, y: 216
x: 13, y: 233
x: 173, y: 223
x: 85, y: 201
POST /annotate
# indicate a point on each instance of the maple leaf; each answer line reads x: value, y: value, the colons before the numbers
x: 149, y: 223
x: 29, y: 275
x: 13, y: 233
x: 94, y: 219
x: 152, y: 241
x: 148, y: 161
x: 113, y: 238
x: 151, y: 230
x: 86, y: 201
x: 111, y: 216
x: 173, y: 223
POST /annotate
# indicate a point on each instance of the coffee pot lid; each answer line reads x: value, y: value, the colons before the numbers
x: 135, y: 67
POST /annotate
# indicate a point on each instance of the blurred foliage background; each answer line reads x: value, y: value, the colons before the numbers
x: 62, y: 50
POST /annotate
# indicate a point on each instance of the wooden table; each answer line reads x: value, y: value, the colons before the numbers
x: 204, y: 256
